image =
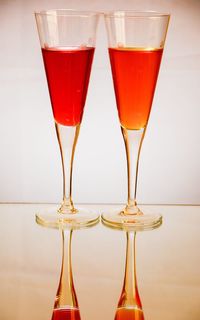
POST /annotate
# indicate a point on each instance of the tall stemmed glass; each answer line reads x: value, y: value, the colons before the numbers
x: 67, y: 39
x: 136, y: 43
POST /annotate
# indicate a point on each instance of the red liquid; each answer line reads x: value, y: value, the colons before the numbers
x: 66, y: 314
x: 68, y: 73
x: 135, y: 73
x: 129, y: 314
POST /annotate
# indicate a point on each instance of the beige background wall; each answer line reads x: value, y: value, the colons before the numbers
x: 30, y: 163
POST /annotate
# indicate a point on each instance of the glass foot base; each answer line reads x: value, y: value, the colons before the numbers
x: 80, y: 219
x: 134, y: 222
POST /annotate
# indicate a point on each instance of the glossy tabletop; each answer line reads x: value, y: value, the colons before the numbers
x: 167, y: 260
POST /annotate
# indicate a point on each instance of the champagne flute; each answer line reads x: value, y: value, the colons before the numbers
x: 136, y: 42
x: 67, y: 39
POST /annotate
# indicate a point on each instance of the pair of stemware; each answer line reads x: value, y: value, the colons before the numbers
x: 136, y: 41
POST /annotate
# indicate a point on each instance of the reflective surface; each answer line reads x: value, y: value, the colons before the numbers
x: 168, y: 259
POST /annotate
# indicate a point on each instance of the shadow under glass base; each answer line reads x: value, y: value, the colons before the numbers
x: 136, y: 222
x: 51, y: 218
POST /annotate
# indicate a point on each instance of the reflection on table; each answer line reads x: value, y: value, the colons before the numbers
x: 168, y: 275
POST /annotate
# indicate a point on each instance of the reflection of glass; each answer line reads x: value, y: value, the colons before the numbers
x: 66, y: 304
x: 136, y: 42
x: 129, y: 305
x: 67, y: 40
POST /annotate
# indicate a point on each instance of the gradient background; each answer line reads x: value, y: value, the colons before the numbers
x: 30, y: 167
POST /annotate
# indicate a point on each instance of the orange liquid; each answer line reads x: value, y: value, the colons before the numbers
x: 129, y: 314
x: 66, y: 314
x: 135, y: 73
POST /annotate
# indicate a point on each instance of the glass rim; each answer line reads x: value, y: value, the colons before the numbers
x: 135, y: 14
x: 67, y: 13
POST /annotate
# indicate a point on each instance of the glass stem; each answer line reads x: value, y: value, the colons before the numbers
x: 133, y: 142
x: 66, y: 296
x: 67, y: 139
x: 130, y: 295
